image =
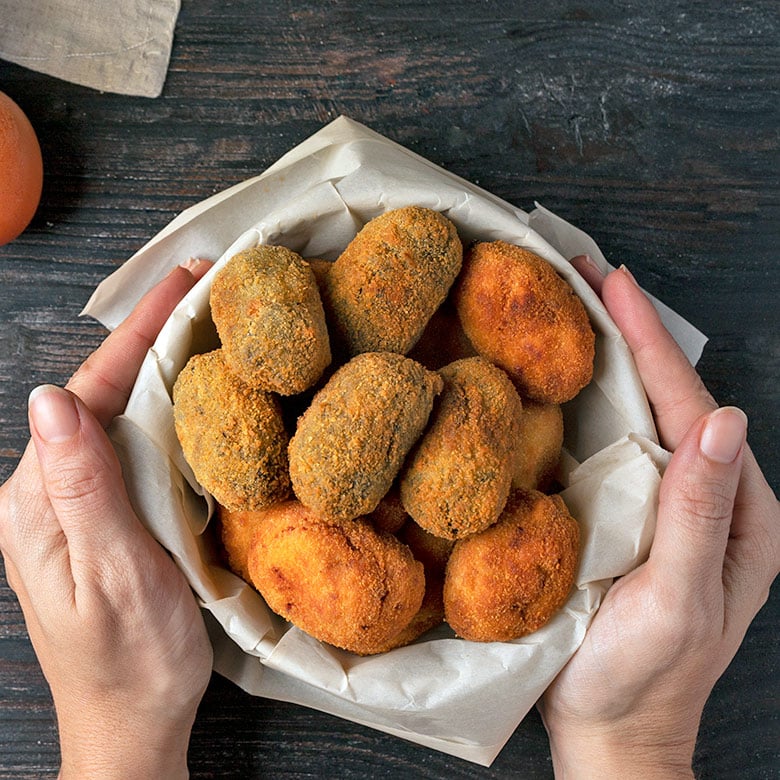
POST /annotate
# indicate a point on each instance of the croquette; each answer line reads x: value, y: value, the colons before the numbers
x: 343, y: 583
x: 350, y: 443
x: 266, y: 306
x: 424, y: 388
x: 433, y: 552
x: 320, y: 268
x: 510, y: 580
x: 443, y: 341
x: 457, y: 478
x: 538, y: 447
x: 236, y: 530
x: 390, y: 279
x: 521, y: 315
x: 389, y: 514
x: 232, y: 435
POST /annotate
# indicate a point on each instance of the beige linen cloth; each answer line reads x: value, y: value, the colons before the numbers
x: 110, y: 46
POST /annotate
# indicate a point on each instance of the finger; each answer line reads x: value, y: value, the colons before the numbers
x: 696, y: 505
x: 105, y: 379
x: 753, y: 552
x: 82, y: 479
x: 676, y: 393
x: 30, y: 533
x: 586, y: 266
x: 30, y: 536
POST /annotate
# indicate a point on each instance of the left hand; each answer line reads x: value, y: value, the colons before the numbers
x: 116, y: 628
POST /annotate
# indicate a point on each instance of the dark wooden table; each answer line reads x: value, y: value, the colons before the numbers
x: 653, y: 128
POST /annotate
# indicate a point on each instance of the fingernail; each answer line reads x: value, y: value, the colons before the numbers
x: 191, y: 264
x: 53, y: 414
x: 724, y: 434
x: 589, y: 262
x: 629, y: 275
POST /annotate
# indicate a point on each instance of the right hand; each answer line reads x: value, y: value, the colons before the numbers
x: 629, y: 702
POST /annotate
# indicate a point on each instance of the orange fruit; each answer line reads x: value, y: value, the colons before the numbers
x: 21, y: 170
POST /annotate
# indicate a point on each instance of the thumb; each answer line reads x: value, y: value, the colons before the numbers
x: 80, y: 474
x: 696, y: 503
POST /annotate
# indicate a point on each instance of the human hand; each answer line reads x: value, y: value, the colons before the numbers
x: 115, y: 626
x: 629, y: 702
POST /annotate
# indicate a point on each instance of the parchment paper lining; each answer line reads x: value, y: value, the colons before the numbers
x: 458, y: 697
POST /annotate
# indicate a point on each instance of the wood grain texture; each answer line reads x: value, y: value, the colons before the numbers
x: 652, y: 128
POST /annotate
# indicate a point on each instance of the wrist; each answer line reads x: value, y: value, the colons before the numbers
x: 623, y: 751
x: 100, y: 747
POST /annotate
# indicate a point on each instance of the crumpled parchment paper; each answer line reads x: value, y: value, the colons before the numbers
x: 458, y: 697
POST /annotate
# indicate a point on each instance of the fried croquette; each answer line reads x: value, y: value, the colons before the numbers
x: 390, y: 279
x: 457, y: 478
x: 443, y: 341
x: 266, y: 306
x: 321, y: 269
x: 538, y: 446
x: 350, y: 443
x: 520, y: 314
x: 428, y: 616
x: 509, y: 580
x: 231, y: 434
x: 433, y: 552
x: 343, y: 583
x: 389, y: 514
x: 236, y: 531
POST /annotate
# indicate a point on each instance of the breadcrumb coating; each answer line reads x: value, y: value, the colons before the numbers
x: 521, y: 315
x: 510, y: 580
x: 231, y: 434
x: 457, y: 479
x: 385, y: 286
x: 443, y: 341
x: 411, y: 491
x: 389, y: 514
x: 538, y: 447
x: 350, y: 443
x: 433, y: 553
x: 236, y: 531
x: 266, y: 306
x: 342, y: 582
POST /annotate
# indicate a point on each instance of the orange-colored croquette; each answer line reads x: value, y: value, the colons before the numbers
x: 510, y: 580
x: 521, y: 315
